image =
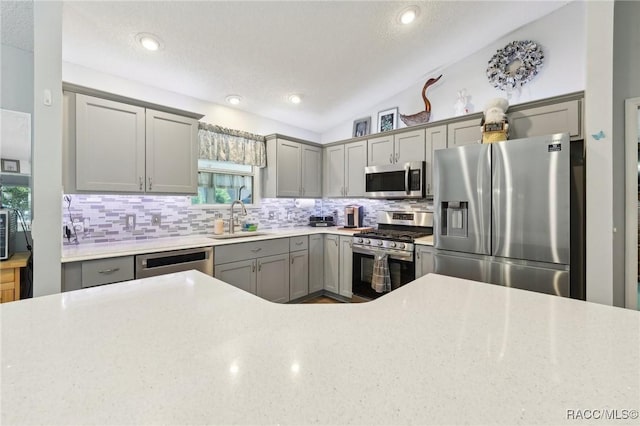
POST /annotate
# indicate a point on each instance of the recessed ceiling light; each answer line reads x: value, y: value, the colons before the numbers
x: 408, y: 15
x: 234, y: 99
x: 149, y: 41
x: 295, y: 99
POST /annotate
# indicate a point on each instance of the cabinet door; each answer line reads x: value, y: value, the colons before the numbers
x: 311, y: 171
x: 380, y: 151
x: 558, y: 118
x: 172, y: 153
x: 355, y: 160
x: 424, y: 260
x: 334, y: 171
x: 273, y: 278
x: 316, y: 263
x: 110, y: 145
x: 464, y: 133
x: 289, y: 155
x: 331, y: 263
x: 298, y: 274
x: 346, y: 267
x: 239, y: 274
x: 409, y: 146
x: 435, y: 138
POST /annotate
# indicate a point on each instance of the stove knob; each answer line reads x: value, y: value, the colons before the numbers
x: 367, y: 241
x: 359, y: 240
x: 392, y: 244
x: 400, y: 245
x: 379, y: 243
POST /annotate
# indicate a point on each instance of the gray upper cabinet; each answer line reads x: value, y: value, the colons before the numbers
x: 172, y: 153
x: 464, y: 133
x: 344, y: 169
x: 435, y: 138
x: 293, y: 169
x: 399, y: 148
x: 545, y: 120
x: 111, y: 146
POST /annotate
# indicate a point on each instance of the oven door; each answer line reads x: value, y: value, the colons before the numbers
x: 401, y: 269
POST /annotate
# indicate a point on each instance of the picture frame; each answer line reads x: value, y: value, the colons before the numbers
x: 10, y: 166
x: 362, y: 127
x: 388, y: 120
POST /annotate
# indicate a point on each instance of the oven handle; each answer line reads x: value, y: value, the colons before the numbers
x: 394, y: 254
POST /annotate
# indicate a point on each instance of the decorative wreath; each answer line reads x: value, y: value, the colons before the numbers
x: 515, y: 65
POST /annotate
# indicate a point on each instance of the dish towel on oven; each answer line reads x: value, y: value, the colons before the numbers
x: 381, y: 280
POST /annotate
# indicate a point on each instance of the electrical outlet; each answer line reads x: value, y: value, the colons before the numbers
x: 130, y: 222
x: 156, y: 219
x: 272, y: 215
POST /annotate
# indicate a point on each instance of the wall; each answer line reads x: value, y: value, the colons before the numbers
x: 103, y: 216
x: 626, y: 84
x: 47, y: 148
x: 562, y: 38
x: 213, y: 113
x: 16, y: 94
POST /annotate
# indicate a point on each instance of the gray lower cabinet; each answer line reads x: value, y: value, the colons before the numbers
x: 90, y: 273
x: 346, y: 267
x: 298, y: 274
x: 331, y: 263
x: 240, y: 274
x: 272, y: 278
x: 261, y: 267
x: 424, y: 260
x: 316, y: 263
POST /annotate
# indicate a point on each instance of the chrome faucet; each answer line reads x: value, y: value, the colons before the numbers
x: 244, y: 212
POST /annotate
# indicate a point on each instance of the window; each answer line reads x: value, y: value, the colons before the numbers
x: 221, y: 182
x: 18, y: 197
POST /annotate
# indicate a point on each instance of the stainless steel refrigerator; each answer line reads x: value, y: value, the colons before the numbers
x: 502, y: 213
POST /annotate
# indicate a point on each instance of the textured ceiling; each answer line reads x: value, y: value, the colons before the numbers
x: 342, y: 56
x: 16, y: 23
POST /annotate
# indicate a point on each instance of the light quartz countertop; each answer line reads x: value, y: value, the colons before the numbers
x: 81, y: 252
x: 186, y: 348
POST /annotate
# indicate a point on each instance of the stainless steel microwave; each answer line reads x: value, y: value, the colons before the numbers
x: 406, y: 180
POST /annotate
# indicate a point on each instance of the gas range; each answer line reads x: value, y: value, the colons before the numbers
x: 396, y: 233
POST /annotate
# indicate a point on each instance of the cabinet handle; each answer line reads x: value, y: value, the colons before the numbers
x: 140, y: 183
x: 259, y: 266
x: 336, y: 241
x: 150, y: 184
x: 397, y: 156
x: 299, y: 243
x: 253, y: 267
x: 256, y: 250
x: 428, y: 188
x: 418, y: 254
x: 109, y: 271
x: 292, y: 260
x: 346, y: 191
x: 391, y: 158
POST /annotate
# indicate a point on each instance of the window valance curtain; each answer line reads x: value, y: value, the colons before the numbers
x: 221, y: 144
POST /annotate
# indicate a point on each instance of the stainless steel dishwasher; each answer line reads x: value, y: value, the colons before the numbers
x: 167, y: 262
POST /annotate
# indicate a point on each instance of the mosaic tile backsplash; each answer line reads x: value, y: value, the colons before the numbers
x: 103, y: 217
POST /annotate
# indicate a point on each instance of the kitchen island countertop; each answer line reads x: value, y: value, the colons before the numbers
x: 186, y: 348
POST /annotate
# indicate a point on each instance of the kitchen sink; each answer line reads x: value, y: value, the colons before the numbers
x: 238, y: 235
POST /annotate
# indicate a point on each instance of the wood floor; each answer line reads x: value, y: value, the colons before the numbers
x: 321, y: 299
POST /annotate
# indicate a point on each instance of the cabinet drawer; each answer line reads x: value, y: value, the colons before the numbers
x: 298, y: 243
x: 6, y: 276
x: 245, y: 251
x: 106, y: 271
